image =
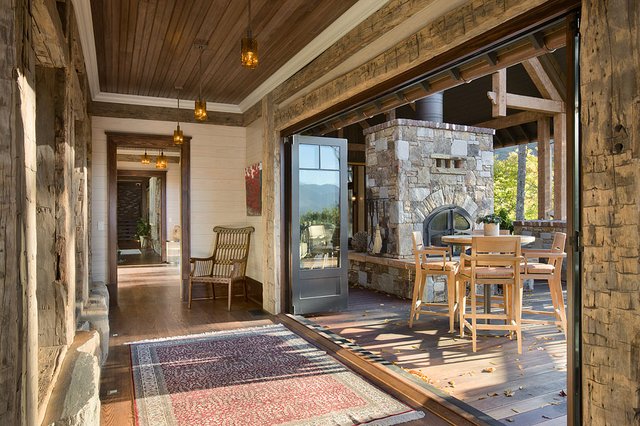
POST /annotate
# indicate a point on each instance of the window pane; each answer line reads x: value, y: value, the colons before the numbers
x: 440, y: 222
x: 329, y: 157
x: 319, y: 219
x: 460, y: 223
x: 309, y: 157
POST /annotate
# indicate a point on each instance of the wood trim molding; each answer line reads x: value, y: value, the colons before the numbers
x: 162, y: 113
x: 114, y: 140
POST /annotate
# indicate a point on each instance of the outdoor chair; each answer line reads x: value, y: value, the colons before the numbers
x: 493, y: 260
x: 227, y: 265
x: 426, y: 266
x: 550, y: 272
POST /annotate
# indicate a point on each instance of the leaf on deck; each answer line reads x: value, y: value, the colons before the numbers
x: 562, y: 393
x: 488, y: 370
x: 508, y: 393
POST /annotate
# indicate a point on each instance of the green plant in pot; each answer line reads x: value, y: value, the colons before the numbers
x: 491, y: 224
x: 143, y: 230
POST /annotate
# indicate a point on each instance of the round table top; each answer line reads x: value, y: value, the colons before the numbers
x: 465, y: 239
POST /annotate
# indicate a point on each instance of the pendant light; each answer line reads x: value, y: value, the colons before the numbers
x: 145, y: 159
x: 178, y: 134
x: 161, y: 161
x: 200, y: 111
x: 249, y: 46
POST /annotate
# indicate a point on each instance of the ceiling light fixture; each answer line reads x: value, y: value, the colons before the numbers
x: 178, y: 134
x: 249, y: 46
x: 145, y: 159
x: 200, y: 111
x: 161, y: 161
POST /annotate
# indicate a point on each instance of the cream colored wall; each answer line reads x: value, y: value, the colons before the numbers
x: 218, y: 158
x: 254, y: 155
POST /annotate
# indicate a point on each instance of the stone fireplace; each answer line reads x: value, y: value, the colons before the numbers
x: 422, y: 167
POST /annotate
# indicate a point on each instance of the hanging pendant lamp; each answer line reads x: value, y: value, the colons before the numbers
x: 161, y: 161
x: 178, y: 134
x: 145, y: 159
x: 200, y: 111
x: 249, y: 46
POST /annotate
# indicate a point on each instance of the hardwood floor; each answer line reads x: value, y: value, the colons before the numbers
x: 150, y: 307
x: 522, y: 389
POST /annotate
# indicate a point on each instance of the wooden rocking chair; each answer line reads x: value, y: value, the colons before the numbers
x: 227, y: 265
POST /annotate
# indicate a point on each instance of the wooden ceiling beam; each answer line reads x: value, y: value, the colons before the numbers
x: 541, y: 79
x: 499, y: 85
x: 529, y: 103
x: 106, y: 109
x: 512, y: 120
x: 468, y: 72
x: 132, y: 158
x: 555, y: 72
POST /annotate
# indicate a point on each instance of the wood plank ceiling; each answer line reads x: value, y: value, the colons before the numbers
x: 146, y: 47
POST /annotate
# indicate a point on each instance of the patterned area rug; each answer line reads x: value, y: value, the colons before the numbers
x: 254, y: 376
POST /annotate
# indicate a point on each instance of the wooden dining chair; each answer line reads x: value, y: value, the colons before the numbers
x: 227, y: 265
x: 441, y: 264
x: 493, y: 260
x: 551, y: 272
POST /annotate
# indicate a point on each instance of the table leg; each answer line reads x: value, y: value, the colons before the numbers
x: 487, y: 301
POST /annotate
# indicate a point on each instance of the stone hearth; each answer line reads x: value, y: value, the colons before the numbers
x: 419, y: 166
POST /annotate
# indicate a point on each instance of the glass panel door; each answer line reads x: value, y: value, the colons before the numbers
x: 319, y: 218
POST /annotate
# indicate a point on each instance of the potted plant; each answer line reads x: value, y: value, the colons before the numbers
x: 143, y: 230
x: 491, y: 224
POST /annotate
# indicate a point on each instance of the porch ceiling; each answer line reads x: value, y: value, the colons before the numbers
x: 146, y: 48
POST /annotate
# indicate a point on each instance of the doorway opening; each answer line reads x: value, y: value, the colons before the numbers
x: 141, y: 220
x: 424, y: 167
x: 149, y: 222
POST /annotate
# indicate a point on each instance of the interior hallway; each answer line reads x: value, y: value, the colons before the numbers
x: 149, y: 307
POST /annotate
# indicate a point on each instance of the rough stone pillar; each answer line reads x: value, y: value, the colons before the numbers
x: 610, y: 114
x: 18, y: 310
x: 271, y: 195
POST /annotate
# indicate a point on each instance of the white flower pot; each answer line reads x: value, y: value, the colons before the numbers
x: 491, y: 229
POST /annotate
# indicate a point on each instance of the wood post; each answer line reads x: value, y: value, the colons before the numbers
x: 499, y: 85
x: 560, y: 166
x: 544, y: 169
x: 271, y: 213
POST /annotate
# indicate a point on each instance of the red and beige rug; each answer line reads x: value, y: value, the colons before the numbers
x: 254, y: 376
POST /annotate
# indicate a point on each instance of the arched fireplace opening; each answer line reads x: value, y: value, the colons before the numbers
x: 446, y: 220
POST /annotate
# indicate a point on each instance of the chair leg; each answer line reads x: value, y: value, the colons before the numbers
x: 451, y: 299
x: 229, y: 294
x: 414, y: 299
x: 474, y: 320
x: 517, y: 293
x: 190, y: 291
x: 213, y: 291
x: 556, y: 287
x: 462, y: 304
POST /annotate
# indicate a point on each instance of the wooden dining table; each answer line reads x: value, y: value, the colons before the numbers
x: 464, y: 240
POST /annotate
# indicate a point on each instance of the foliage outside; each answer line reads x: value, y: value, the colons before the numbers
x: 143, y: 228
x: 506, y: 186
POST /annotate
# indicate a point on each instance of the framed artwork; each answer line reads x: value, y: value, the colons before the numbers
x: 253, y: 183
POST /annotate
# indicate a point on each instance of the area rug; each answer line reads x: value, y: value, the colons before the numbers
x: 253, y: 376
x: 129, y: 252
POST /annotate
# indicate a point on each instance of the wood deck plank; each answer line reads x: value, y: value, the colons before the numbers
x: 378, y: 323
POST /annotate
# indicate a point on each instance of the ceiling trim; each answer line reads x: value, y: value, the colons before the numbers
x: 340, y: 27
x: 119, y: 98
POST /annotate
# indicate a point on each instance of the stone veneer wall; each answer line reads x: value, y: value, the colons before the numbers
x: 543, y: 230
x: 392, y: 276
x: 421, y: 165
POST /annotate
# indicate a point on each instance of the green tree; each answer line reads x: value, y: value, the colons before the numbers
x: 506, y: 185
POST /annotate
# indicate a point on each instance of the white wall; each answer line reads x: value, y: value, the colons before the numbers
x: 218, y: 158
x: 254, y: 155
